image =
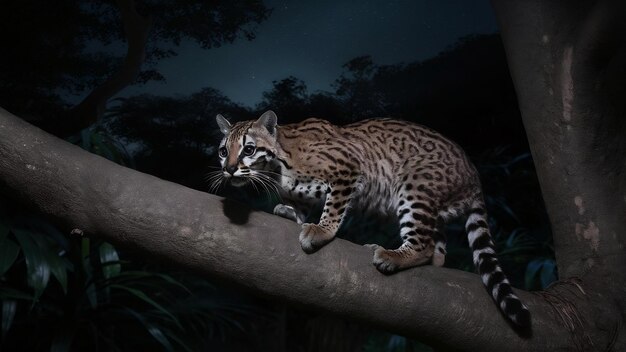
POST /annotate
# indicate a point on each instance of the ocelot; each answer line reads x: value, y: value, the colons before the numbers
x: 385, y: 165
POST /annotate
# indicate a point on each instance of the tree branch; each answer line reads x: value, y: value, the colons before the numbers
x: 260, y: 252
x: 88, y: 111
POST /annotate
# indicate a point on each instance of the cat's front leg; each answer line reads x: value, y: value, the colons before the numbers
x: 293, y: 210
x: 315, y: 236
x: 287, y: 212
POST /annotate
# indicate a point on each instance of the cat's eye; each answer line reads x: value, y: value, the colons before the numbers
x: 248, y: 150
x: 223, y: 152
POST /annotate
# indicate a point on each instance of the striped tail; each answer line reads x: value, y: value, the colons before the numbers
x: 490, y: 271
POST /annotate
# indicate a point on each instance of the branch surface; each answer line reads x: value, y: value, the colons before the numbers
x: 255, y: 250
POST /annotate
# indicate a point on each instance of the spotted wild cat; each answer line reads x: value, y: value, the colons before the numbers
x: 384, y: 165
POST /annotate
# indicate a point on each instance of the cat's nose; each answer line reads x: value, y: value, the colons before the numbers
x: 231, y: 169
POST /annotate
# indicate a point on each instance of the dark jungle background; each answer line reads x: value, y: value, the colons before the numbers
x: 64, y: 292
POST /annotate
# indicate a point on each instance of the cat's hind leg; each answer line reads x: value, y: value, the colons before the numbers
x: 418, y: 206
x: 439, y: 237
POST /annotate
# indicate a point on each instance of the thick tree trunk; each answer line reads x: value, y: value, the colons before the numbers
x: 90, y: 110
x: 568, y: 63
x: 216, y: 238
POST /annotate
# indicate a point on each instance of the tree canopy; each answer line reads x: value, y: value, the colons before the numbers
x: 65, y: 49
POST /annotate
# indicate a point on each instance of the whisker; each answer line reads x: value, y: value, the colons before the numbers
x: 254, y: 185
x: 272, y: 183
x: 212, y: 178
x: 212, y: 174
x: 212, y: 186
x: 274, y: 173
x: 254, y: 177
x: 261, y: 180
x: 216, y: 183
x: 220, y: 183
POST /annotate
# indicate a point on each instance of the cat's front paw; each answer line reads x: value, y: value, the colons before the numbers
x: 314, y: 237
x: 286, y: 211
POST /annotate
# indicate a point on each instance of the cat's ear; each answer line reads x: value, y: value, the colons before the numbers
x: 268, y: 120
x: 223, y: 124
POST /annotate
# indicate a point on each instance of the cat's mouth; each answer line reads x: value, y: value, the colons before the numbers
x: 238, y: 181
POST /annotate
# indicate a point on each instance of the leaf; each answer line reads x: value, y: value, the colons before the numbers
x: 548, y: 273
x: 517, y: 250
x: 52, y: 233
x: 153, y: 330
x: 142, y: 296
x: 108, y: 254
x: 100, y: 146
x: 142, y: 276
x: 90, y: 290
x: 501, y: 203
x: 37, y: 268
x: 85, y: 137
x: 519, y: 158
x: 9, y: 293
x: 63, y: 338
x: 92, y: 297
x: 110, y: 265
x: 531, y: 271
x: 537, y: 267
x: 516, y: 236
x: 58, y: 265
x: 9, y: 251
x: 180, y: 342
x: 4, y: 231
x: 545, y: 268
x: 396, y: 343
x: 9, y: 307
x: 85, y: 247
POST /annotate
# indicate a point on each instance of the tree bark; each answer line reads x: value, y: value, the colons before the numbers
x: 90, y: 109
x: 260, y: 252
x: 568, y: 64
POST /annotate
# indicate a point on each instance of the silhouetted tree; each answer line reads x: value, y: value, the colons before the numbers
x: 52, y: 49
x: 357, y: 91
x: 173, y: 137
x: 288, y: 97
x: 465, y: 92
x: 325, y: 105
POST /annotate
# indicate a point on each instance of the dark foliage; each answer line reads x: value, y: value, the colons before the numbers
x: 98, y: 301
x: 179, y: 132
x: 47, y: 59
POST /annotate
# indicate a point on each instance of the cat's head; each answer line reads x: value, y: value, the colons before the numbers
x: 247, y: 148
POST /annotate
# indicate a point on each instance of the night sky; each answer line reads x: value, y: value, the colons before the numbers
x: 311, y: 40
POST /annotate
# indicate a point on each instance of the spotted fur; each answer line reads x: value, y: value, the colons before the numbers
x: 384, y: 165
